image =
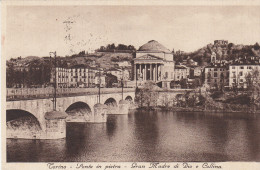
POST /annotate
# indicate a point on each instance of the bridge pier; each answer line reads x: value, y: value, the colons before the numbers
x: 123, y: 107
x: 100, y: 113
x: 55, y: 125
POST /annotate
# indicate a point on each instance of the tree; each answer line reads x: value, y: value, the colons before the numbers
x: 131, y: 47
x: 110, y: 79
x: 256, y: 46
x: 253, y: 87
x: 183, y: 83
x: 147, y: 95
x: 10, y: 79
x: 121, y: 47
x: 222, y: 82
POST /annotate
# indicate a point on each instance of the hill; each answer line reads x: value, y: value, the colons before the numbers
x: 224, y: 52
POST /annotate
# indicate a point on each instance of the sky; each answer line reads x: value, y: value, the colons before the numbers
x: 38, y: 30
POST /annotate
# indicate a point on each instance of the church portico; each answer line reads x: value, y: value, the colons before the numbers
x: 150, y: 71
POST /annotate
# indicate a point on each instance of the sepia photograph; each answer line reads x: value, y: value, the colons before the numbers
x: 131, y: 83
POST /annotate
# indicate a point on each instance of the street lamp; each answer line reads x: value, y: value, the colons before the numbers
x: 55, y: 81
x: 99, y: 82
x: 122, y: 84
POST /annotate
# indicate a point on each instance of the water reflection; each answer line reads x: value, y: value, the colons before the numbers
x: 149, y: 136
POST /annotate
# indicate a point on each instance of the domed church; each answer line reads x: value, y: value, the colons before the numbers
x: 154, y: 62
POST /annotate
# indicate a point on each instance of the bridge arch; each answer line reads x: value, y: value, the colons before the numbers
x: 129, y: 98
x: 22, y: 123
x: 111, y: 102
x: 77, y: 105
x: 79, y: 111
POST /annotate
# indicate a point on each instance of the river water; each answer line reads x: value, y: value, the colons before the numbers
x: 149, y: 136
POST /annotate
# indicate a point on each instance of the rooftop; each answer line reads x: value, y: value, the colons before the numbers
x: 154, y: 46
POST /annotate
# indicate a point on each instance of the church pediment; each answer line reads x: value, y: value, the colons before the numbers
x: 148, y: 57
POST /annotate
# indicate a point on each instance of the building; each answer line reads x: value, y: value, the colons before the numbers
x: 196, y: 71
x: 62, y: 77
x: 124, y: 64
x: 238, y: 74
x: 220, y: 42
x: 76, y: 76
x: 154, y: 62
x: 180, y: 72
x: 217, y: 76
x: 100, y: 79
x: 119, y: 73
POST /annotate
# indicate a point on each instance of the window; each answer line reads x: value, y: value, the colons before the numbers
x: 234, y: 80
x: 241, y: 80
x: 233, y: 67
x: 241, y: 67
x: 215, y: 69
x: 215, y: 74
x: 240, y: 73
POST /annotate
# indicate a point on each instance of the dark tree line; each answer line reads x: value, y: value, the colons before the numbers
x: 36, y: 74
x: 113, y: 47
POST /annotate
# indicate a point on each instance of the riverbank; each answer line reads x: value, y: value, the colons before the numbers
x: 197, y: 109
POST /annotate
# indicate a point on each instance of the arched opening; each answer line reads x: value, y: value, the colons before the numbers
x: 111, y: 102
x: 111, y: 106
x: 78, y: 112
x: 129, y: 99
x: 21, y: 124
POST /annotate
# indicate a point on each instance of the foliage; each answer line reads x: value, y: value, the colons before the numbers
x: 37, y: 74
x: 147, y: 95
x: 110, y: 80
x: 184, y: 83
x: 112, y: 47
x: 253, y: 87
x: 234, y: 52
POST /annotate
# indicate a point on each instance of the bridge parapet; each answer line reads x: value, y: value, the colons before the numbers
x: 40, y: 93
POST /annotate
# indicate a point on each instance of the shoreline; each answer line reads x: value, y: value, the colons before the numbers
x: 189, y: 109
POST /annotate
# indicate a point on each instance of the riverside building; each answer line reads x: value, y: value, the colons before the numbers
x: 217, y: 76
x: 77, y: 76
x: 238, y: 74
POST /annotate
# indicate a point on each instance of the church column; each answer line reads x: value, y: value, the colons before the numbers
x: 135, y: 73
x: 159, y: 72
x: 140, y: 69
x: 145, y: 72
x: 156, y: 72
x: 151, y: 75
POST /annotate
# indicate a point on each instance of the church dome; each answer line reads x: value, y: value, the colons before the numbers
x: 154, y: 46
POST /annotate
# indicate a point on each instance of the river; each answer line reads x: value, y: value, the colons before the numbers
x: 149, y: 136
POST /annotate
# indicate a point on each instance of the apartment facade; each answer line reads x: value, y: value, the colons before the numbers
x: 238, y: 74
x: 74, y: 77
x: 181, y: 72
x: 217, y: 76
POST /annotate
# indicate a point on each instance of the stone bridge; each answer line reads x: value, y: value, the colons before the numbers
x: 79, y: 108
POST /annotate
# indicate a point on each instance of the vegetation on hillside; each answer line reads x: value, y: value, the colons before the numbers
x: 224, y: 52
